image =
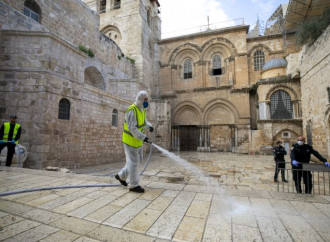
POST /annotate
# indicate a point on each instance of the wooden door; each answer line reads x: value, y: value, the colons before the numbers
x: 188, y: 138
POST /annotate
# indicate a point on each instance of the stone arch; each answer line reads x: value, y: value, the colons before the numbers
x: 181, y: 52
x: 220, y: 107
x: 186, y: 113
x: 221, y: 42
x: 288, y: 141
x: 186, y: 54
x: 279, y: 133
x: 93, y: 77
x: 293, y: 94
x: 262, y: 47
x: 217, y: 48
x: 112, y: 32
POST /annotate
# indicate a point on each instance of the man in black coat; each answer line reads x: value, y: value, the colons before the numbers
x: 300, y: 154
x: 279, y: 153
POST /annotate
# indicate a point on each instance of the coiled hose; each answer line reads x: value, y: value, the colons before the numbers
x: 74, y: 186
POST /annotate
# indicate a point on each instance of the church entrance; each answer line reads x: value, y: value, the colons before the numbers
x: 188, y: 138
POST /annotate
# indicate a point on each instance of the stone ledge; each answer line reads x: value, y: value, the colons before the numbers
x: 295, y: 121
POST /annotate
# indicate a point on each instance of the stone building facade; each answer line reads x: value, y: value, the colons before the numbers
x: 227, y: 107
x: 315, y: 89
x: 65, y: 99
x: 69, y: 69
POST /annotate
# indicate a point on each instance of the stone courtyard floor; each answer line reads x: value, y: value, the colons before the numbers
x: 237, y: 201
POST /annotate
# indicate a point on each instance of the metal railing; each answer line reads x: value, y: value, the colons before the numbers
x: 318, y: 182
x: 204, y: 28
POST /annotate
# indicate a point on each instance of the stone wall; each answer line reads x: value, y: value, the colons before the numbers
x: 159, y: 115
x: 41, y: 64
x: 220, y: 101
x: 221, y: 138
x: 82, y: 32
x: 315, y: 83
x: 200, y: 48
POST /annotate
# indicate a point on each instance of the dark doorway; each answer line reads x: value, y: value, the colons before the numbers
x: 188, y: 138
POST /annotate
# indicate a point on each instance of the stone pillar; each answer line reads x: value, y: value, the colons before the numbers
x: 262, y: 110
x: 295, y: 111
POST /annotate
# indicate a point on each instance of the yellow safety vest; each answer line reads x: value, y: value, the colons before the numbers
x: 128, y: 137
x: 6, y: 131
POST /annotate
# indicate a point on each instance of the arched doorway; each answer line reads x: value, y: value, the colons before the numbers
x: 185, y: 129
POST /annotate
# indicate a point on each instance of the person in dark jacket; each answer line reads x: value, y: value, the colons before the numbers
x: 279, y: 153
x: 300, y: 154
x: 10, y: 133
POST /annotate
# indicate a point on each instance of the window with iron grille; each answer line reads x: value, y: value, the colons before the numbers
x: 114, y: 118
x: 103, y: 5
x: 32, y: 10
x: 216, y: 65
x: 187, y: 70
x: 64, y: 109
x: 281, y: 106
x: 259, y: 60
x: 286, y: 135
x: 116, y: 4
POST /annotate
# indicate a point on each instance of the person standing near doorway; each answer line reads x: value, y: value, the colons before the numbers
x: 300, y: 154
x: 279, y: 153
x: 10, y: 133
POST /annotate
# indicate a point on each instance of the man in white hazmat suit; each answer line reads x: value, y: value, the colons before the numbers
x: 133, y: 138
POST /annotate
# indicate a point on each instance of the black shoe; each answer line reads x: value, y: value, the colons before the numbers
x: 124, y: 183
x: 284, y: 180
x: 137, y: 189
x: 275, y: 180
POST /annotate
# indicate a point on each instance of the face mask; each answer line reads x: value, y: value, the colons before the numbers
x: 145, y: 104
x: 300, y: 142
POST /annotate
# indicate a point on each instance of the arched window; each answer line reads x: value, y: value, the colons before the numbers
x: 187, y: 69
x: 280, y: 105
x: 259, y: 60
x: 149, y: 17
x: 114, y: 118
x: 64, y: 109
x: 216, y: 65
x: 32, y: 10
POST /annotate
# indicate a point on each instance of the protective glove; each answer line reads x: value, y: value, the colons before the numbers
x: 151, y: 129
x: 146, y: 139
x: 13, y: 141
x: 295, y: 163
x: 1, y: 141
x: 327, y: 164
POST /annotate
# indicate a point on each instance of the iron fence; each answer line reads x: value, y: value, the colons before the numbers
x: 314, y: 179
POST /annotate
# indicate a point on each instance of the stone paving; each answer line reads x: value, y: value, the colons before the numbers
x: 237, y: 201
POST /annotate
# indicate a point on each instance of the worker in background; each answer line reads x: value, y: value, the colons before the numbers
x: 10, y: 132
